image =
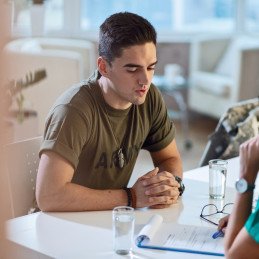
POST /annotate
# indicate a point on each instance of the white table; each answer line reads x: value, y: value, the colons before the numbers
x: 89, y: 234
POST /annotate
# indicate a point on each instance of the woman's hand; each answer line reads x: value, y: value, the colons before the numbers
x: 223, y: 222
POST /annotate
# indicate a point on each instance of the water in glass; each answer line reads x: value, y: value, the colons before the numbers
x: 123, y: 230
x: 217, y: 182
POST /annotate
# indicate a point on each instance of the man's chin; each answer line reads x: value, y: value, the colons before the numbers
x: 139, y: 101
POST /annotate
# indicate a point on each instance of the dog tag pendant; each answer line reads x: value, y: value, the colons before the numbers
x: 121, y: 158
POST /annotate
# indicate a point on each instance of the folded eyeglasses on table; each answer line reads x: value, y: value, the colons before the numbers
x: 210, y: 210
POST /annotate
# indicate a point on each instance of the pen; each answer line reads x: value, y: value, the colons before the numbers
x: 217, y: 234
x: 139, y: 240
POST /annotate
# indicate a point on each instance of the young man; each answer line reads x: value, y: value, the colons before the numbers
x: 95, y: 130
x: 242, y: 232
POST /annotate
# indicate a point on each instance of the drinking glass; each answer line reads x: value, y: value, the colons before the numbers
x: 217, y: 178
x: 123, y: 229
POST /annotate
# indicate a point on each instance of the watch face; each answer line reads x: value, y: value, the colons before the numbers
x: 241, y: 185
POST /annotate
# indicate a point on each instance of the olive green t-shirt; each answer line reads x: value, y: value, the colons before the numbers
x: 82, y: 128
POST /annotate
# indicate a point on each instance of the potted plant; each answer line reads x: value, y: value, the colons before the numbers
x: 14, y: 95
x: 19, y: 122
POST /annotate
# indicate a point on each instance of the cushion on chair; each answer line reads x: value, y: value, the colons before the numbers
x: 31, y: 46
x: 227, y: 65
x: 213, y: 83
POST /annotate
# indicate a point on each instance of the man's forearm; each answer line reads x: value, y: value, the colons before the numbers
x: 73, y: 197
x: 172, y: 165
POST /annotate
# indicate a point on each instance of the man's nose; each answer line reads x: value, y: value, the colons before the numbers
x: 144, y: 79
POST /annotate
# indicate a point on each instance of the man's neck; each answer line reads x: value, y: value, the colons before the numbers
x: 110, y: 96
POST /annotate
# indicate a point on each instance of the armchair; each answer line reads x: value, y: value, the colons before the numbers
x: 223, y: 72
x: 66, y: 61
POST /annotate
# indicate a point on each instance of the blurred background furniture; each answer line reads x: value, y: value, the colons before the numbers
x: 237, y: 125
x: 22, y: 165
x: 170, y: 86
x: 66, y: 61
x: 223, y: 71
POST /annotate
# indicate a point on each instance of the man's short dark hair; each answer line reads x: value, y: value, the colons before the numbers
x: 122, y: 30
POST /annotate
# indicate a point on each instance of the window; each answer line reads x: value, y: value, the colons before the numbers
x: 94, y: 12
x: 79, y: 17
x: 53, y: 13
x: 252, y: 16
x: 210, y: 16
x: 168, y: 16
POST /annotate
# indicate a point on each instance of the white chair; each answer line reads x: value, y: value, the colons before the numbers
x: 22, y: 167
x: 66, y: 61
x: 223, y: 72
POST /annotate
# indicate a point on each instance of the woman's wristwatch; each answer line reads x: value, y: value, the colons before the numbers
x: 180, y: 181
x: 243, y: 186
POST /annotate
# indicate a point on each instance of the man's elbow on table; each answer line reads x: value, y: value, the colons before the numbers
x: 53, y: 180
x: 45, y: 205
x: 47, y: 202
x: 54, y: 197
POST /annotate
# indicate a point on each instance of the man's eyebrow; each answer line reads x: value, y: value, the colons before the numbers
x: 136, y: 65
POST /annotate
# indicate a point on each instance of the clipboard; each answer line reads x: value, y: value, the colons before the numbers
x: 179, y: 238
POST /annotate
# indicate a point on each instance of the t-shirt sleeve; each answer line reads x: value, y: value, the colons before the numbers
x: 65, y: 133
x: 162, y: 130
x: 252, y: 224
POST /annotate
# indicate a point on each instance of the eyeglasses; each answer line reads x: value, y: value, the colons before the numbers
x: 210, y: 210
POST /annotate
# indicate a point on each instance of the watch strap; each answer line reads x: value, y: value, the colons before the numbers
x: 250, y: 187
x: 180, y: 181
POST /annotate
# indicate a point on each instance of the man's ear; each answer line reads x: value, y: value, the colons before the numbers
x: 103, y: 66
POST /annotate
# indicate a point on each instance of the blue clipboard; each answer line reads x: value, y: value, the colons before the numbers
x: 141, y: 245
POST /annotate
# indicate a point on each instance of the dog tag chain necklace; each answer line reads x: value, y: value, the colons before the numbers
x: 120, y: 155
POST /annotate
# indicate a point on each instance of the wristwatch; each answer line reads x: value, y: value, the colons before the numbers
x: 243, y: 186
x: 180, y: 181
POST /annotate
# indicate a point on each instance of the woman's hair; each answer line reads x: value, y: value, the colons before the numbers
x: 122, y: 30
